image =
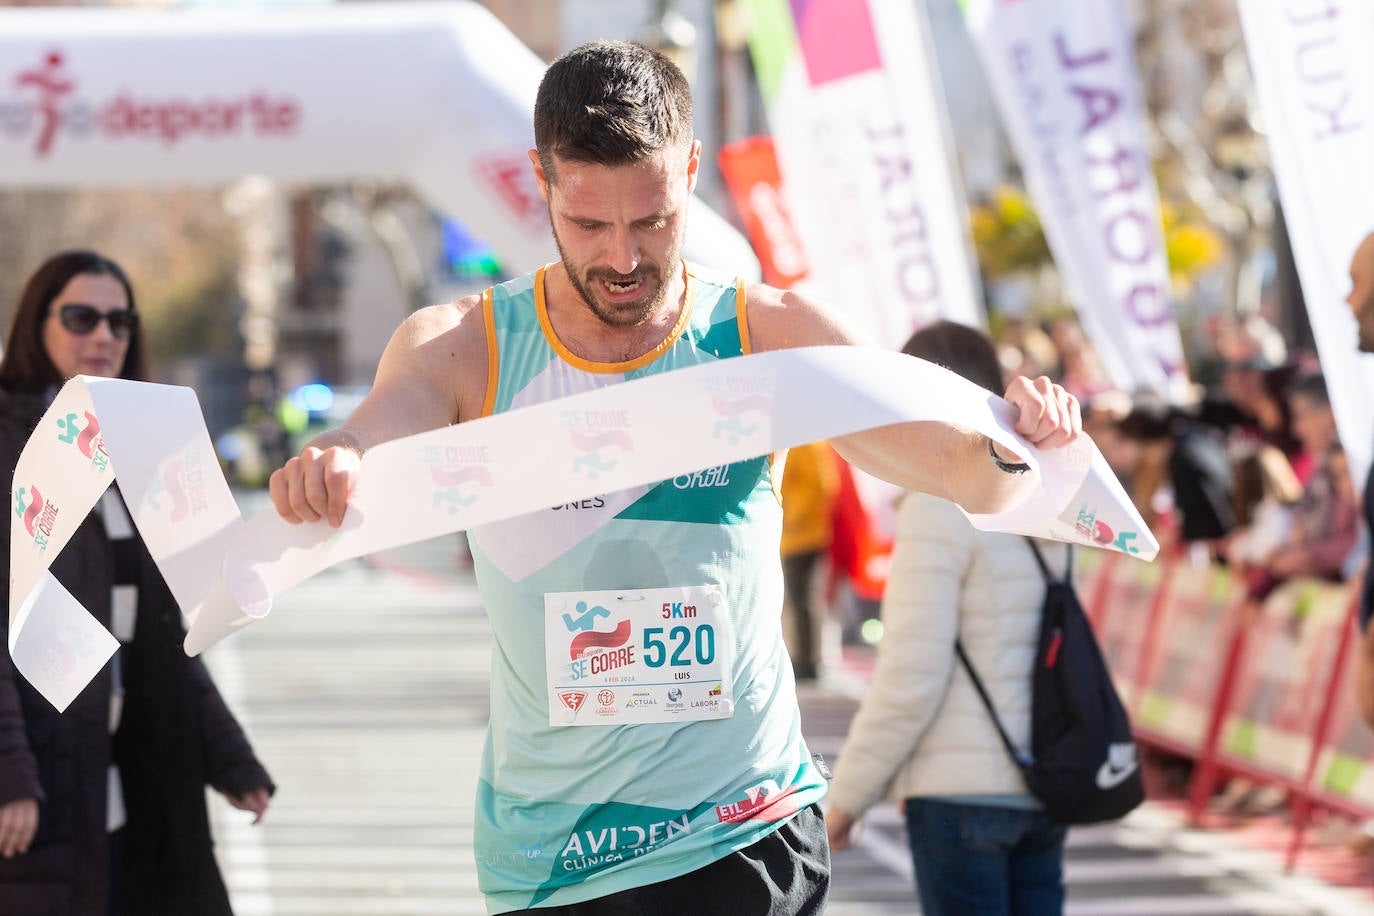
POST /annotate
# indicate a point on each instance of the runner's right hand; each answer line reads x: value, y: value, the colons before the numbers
x: 315, y: 484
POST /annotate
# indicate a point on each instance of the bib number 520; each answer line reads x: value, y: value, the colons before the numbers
x: 682, y: 646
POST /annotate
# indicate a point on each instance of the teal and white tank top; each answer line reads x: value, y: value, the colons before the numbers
x: 644, y: 720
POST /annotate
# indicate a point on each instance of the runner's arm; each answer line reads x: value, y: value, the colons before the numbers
x: 432, y: 374
x: 937, y: 458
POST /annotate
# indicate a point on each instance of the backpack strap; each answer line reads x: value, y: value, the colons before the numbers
x: 1020, y: 758
x: 1044, y: 567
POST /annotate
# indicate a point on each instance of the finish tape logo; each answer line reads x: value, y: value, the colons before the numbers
x: 460, y: 474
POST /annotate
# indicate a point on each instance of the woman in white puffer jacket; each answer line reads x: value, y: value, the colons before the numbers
x: 922, y: 737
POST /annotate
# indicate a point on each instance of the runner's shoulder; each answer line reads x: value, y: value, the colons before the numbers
x: 456, y: 324
x: 783, y: 318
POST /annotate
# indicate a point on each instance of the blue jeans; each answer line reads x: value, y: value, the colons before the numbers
x: 984, y: 860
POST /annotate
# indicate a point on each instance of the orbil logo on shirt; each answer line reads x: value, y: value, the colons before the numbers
x: 49, y: 109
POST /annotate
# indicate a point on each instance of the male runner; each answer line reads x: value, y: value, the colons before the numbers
x: 696, y: 795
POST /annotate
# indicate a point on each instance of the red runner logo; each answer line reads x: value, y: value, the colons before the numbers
x: 51, y: 85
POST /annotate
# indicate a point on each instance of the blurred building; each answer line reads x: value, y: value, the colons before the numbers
x: 363, y: 258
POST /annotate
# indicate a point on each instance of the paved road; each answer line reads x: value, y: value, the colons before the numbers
x: 365, y: 693
x: 1148, y: 865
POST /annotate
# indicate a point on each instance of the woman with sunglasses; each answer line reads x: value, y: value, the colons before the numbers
x: 102, y: 807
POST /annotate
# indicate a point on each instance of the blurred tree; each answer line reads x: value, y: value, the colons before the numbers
x: 179, y: 248
x: 1007, y: 234
x: 1209, y: 144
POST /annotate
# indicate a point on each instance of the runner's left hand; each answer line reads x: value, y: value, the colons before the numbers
x: 1047, y: 415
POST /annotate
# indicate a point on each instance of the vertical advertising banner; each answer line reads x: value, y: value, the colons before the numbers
x: 1315, y: 76
x: 865, y: 159
x: 1065, y: 81
x: 751, y: 171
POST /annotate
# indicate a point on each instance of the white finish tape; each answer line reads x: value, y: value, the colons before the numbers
x: 224, y: 570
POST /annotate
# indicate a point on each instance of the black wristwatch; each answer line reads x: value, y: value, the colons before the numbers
x: 1008, y: 467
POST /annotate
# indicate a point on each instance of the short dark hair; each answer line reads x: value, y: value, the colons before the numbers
x: 961, y: 349
x: 610, y: 103
x: 26, y: 367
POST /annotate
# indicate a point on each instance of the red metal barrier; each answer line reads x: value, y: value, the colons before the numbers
x: 1207, y: 770
x: 1183, y: 671
x: 1105, y: 564
x: 1154, y: 625
x: 1303, y: 804
x: 1280, y: 711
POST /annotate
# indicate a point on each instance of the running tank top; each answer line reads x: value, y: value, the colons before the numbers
x: 567, y: 813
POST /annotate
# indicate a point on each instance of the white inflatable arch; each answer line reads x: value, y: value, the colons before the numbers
x: 438, y: 95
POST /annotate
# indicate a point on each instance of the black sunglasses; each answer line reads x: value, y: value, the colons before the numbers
x: 83, y: 319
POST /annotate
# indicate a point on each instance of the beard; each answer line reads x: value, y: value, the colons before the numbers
x: 629, y: 313
x: 1366, y: 338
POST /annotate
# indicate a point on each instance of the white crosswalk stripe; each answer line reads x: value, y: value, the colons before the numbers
x: 365, y: 695
x: 1142, y: 867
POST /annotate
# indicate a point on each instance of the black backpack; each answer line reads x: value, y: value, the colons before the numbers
x: 1083, y: 766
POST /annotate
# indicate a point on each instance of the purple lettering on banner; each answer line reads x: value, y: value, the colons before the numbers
x: 1069, y: 62
x: 1309, y: 60
x: 1118, y: 231
x: 1020, y: 58
x: 1335, y: 126
x: 1149, y: 306
x: 1329, y: 10
x: 1128, y: 172
x: 1046, y: 130
x: 838, y: 193
x: 1099, y: 106
x: 1099, y: 103
x: 917, y: 276
x: 1169, y: 367
x: 1321, y: 69
x: 892, y: 169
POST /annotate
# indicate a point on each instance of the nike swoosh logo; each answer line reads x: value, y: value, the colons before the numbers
x: 1109, y: 777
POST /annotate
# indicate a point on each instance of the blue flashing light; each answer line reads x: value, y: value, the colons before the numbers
x: 466, y: 254
x: 230, y: 446
x: 313, y: 398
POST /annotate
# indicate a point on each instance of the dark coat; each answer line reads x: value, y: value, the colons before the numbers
x: 175, y: 737
x: 1367, y: 596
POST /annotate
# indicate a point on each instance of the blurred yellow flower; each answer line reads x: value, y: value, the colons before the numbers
x: 1192, y: 248
x: 1009, y: 238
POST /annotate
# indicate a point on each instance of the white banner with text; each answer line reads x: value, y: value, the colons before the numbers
x: 1315, y: 75
x: 868, y: 172
x: 439, y: 95
x: 1065, y: 81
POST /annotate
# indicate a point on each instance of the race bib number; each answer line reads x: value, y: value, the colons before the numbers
x: 637, y: 656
